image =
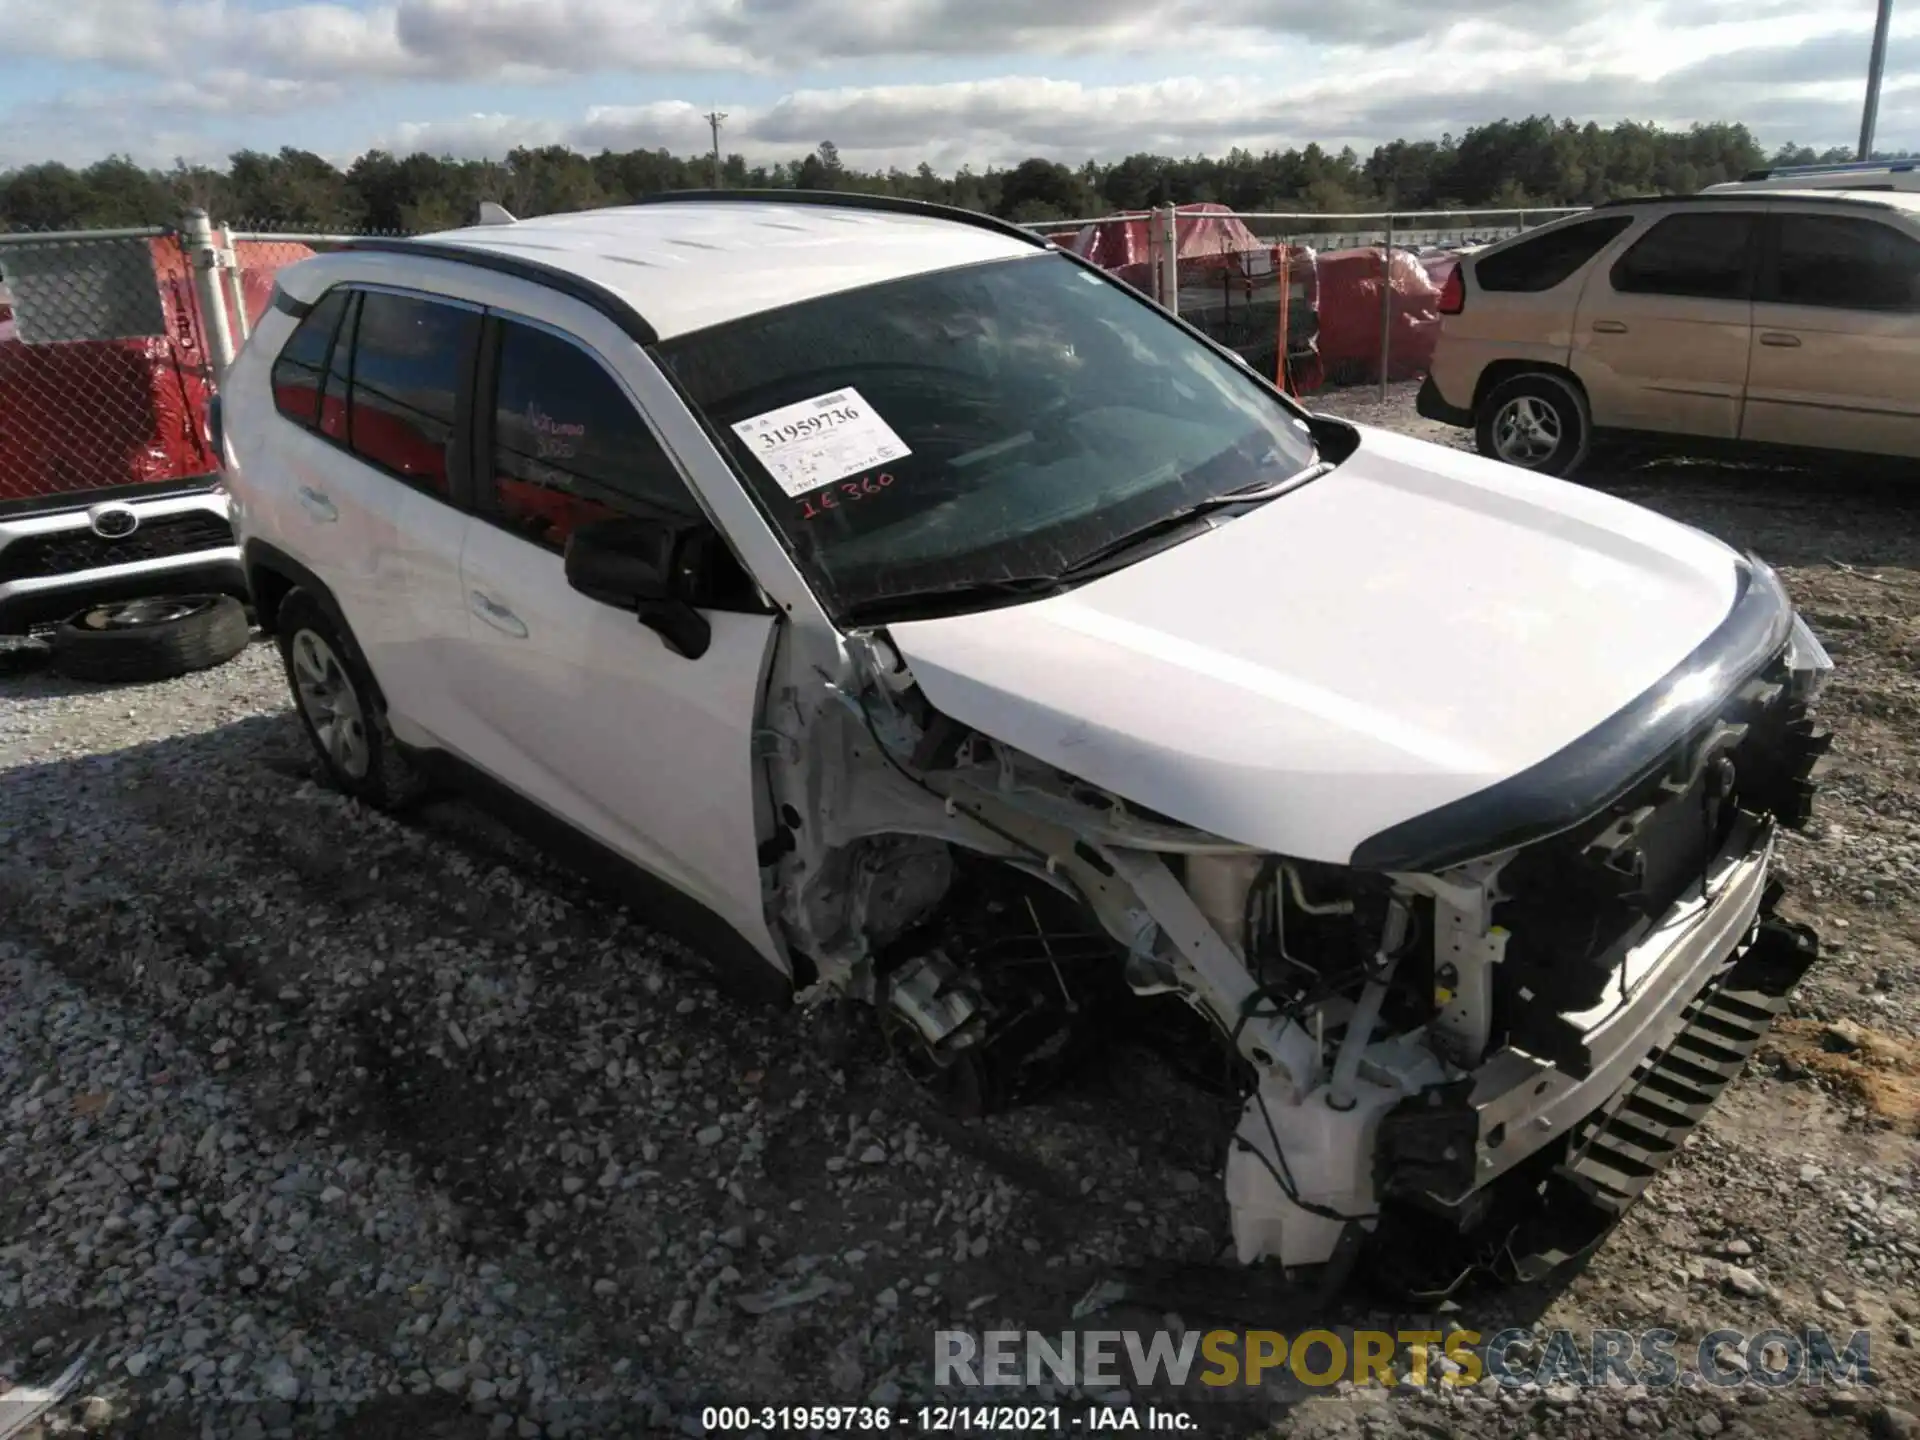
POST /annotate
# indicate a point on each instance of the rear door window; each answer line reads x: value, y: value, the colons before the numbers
x: 1705, y: 255
x: 410, y: 358
x: 303, y: 359
x: 1541, y: 262
x: 1842, y: 262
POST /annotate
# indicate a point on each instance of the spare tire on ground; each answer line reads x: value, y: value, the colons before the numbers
x: 155, y: 638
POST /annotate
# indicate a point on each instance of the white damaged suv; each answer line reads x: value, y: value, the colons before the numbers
x: 918, y: 616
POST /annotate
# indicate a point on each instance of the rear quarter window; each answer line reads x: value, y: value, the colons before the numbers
x: 1542, y: 261
x: 302, y: 361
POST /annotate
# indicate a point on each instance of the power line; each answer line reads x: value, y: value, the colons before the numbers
x: 714, y: 117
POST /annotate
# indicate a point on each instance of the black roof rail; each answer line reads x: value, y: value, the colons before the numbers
x: 1795, y: 197
x: 1835, y: 167
x: 554, y: 277
x: 849, y: 200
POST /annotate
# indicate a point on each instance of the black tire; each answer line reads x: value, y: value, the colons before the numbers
x: 1537, y: 421
x: 353, y: 741
x: 152, y: 639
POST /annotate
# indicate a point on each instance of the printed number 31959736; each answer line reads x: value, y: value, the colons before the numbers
x: 822, y: 441
x: 774, y: 438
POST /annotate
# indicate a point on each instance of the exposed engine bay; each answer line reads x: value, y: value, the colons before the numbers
x: 1501, y: 1051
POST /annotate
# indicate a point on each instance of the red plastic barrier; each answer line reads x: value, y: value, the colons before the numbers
x: 1350, y: 315
x: 1200, y: 231
x: 1205, y: 234
x: 259, y: 262
x: 92, y: 415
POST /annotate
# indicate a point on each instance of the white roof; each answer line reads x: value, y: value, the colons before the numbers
x: 691, y: 264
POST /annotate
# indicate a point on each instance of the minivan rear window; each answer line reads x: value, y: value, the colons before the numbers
x: 1842, y: 262
x: 1542, y: 261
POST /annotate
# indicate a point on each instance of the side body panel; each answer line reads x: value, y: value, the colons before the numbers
x: 1670, y: 363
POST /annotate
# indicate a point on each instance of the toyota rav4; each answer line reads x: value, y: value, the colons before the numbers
x: 920, y: 617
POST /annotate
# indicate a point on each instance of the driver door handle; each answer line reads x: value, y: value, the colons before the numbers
x: 497, y: 615
x: 1779, y: 338
x: 1609, y: 327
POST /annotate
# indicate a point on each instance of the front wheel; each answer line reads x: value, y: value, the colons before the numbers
x: 340, y: 707
x: 1538, y: 422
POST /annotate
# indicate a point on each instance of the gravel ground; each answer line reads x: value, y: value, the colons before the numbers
x: 317, y: 1120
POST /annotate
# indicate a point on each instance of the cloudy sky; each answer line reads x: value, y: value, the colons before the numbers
x: 898, y: 81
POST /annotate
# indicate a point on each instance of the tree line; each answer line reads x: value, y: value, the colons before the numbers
x: 1535, y: 162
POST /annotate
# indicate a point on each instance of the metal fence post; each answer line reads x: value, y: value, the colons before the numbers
x: 203, y: 254
x: 1286, y: 328
x: 1169, y: 226
x: 236, y: 291
x: 1386, y: 306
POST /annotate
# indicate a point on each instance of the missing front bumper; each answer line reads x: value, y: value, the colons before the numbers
x: 1547, y: 1202
x: 1439, y: 1147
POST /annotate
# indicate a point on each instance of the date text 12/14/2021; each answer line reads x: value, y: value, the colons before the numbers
x: 946, y: 1419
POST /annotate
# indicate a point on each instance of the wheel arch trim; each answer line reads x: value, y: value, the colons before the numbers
x: 260, y: 558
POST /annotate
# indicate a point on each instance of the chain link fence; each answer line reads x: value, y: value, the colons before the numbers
x: 1249, y: 299
x: 76, y: 287
x: 102, y: 368
x: 111, y: 344
x: 1356, y: 295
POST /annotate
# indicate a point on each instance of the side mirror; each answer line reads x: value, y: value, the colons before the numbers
x: 650, y: 567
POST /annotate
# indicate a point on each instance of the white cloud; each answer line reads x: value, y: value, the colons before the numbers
x: 179, y: 37
x: 188, y: 73
x: 522, y: 39
x: 1792, y: 80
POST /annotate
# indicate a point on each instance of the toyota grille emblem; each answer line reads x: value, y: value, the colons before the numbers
x: 113, y: 522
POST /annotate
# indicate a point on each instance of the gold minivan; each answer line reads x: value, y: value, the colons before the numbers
x: 1734, y: 318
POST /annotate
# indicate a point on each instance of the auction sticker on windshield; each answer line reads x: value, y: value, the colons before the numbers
x: 821, y: 440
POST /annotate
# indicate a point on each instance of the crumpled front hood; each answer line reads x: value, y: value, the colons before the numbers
x: 1412, y: 629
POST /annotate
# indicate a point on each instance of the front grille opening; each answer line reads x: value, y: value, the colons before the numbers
x: 1576, y: 904
x: 64, y: 552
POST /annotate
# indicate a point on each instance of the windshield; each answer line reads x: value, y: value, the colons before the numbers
x: 976, y: 426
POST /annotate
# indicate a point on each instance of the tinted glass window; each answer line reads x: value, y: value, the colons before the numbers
x: 1541, y: 262
x: 296, y: 371
x: 977, y: 426
x: 1701, y: 255
x: 333, y: 393
x: 409, y: 357
x: 1847, y: 264
x: 568, y: 444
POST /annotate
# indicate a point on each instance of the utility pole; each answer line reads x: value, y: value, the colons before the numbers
x: 1871, y: 113
x: 714, y: 117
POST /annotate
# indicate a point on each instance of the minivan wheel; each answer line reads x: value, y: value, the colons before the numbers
x: 340, y: 708
x: 1537, y: 422
x: 155, y: 638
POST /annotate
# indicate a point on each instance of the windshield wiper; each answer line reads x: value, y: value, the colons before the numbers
x: 1167, y: 525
